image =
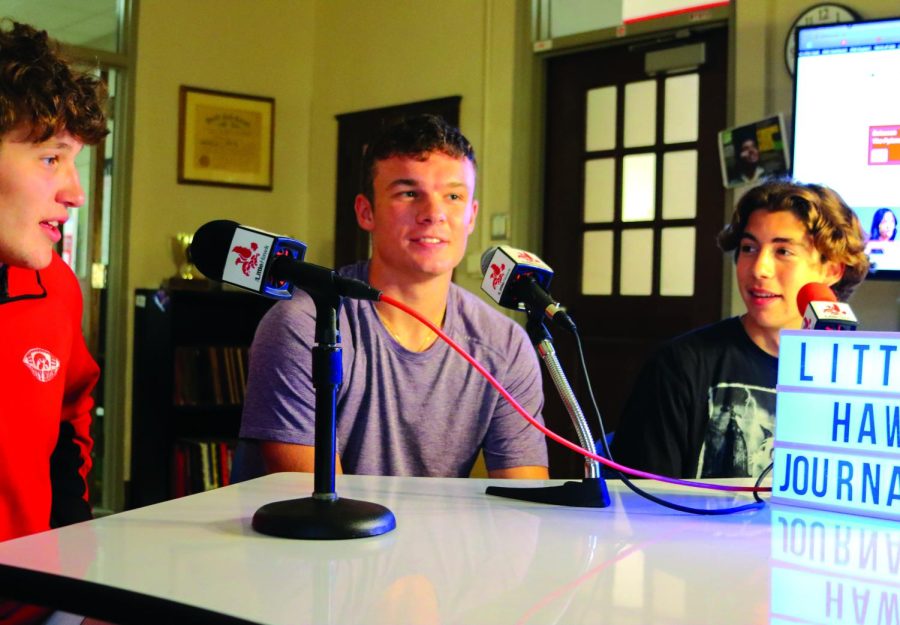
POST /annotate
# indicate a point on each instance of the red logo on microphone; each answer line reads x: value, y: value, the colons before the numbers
x: 528, y: 258
x: 248, y: 258
x: 497, y: 274
x: 832, y: 309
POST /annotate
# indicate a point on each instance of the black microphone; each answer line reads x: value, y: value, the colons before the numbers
x: 519, y: 280
x: 265, y: 263
x: 821, y: 310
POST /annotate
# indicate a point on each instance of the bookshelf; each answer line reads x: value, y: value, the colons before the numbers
x: 190, y: 371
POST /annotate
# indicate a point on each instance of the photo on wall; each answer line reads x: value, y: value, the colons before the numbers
x: 882, y: 245
x: 753, y: 152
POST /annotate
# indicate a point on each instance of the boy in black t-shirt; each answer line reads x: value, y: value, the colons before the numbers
x: 704, y: 406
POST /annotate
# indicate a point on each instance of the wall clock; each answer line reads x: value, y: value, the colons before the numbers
x: 823, y: 13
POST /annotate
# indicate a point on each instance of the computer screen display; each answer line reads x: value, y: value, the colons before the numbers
x: 847, y: 125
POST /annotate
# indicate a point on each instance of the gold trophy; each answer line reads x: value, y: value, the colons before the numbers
x: 187, y: 276
x: 186, y: 269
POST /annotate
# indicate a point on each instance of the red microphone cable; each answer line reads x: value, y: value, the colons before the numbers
x: 550, y: 434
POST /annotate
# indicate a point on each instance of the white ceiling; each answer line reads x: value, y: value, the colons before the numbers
x: 88, y: 23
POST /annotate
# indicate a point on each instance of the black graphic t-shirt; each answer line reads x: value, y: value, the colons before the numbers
x: 703, y: 406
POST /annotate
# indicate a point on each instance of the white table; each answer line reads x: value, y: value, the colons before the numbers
x: 460, y: 556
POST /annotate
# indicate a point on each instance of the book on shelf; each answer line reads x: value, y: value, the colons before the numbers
x: 230, y: 379
x: 199, y: 465
x: 214, y: 375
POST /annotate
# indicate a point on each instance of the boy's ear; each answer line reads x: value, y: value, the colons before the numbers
x: 834, y: 271
x: 365, y: 213
x: 470, y: 228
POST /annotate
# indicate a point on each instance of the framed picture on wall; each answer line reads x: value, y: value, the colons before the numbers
x: 225, y: 139
x: 754, y: 152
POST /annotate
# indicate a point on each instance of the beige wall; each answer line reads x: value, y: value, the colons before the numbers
x: 262, y: 48
x: 762, y: 87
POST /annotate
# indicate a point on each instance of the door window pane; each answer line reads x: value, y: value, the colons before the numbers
x: 677, y: 261
x: 597, y: 262
x: 682, y: 118
x: 638, y: 187
x: 78, y: 229
x: 636, y: 276
x: 679, y: 197
x: 599, y: 190
x: 640, y: 113
x: 600, y: 133
x: 92, y: 24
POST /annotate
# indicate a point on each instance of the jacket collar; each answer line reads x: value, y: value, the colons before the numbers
x: 20, y: 284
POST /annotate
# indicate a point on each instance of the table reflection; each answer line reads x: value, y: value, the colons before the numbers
x: 834, y: 568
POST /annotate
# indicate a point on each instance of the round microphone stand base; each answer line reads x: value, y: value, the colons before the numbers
x: 323, y: 519
x: 324, y: 515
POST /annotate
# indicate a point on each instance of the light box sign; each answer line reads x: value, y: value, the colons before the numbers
x: 837, y: 425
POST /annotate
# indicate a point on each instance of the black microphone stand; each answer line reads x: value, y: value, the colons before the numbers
x: 590, y: 492
x: 324, y: 515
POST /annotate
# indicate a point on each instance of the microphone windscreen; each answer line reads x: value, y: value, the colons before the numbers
x: 814, y: 292
x: 486, y: 258
x: 210, y: 247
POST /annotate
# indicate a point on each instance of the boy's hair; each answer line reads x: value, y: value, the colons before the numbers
x: 744, y: 134
x: 835, y: 229
x: 41, y: 94
x: 415, y: 137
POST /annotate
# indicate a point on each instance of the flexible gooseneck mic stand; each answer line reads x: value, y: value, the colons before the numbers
x: 591, y: 492
x: 324, y: 515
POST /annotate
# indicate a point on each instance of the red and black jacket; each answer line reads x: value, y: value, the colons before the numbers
x: 46, y: 379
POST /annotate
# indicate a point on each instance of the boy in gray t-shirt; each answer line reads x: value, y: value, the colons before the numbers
x: 399, y: 412
x: 409, y: 405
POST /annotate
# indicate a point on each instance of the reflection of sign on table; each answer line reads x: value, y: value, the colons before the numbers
x: 831, y: 568
x: 226, y: 139
x: 837, y: 429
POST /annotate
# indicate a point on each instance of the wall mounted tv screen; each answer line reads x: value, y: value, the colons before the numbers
x: 847, y: 125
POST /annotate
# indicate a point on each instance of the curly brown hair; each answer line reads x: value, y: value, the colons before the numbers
x: 835, y: 229
x: 41, y: 94
x: 415, y: 136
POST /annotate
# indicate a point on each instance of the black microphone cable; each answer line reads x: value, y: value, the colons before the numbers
x: 636, y: 489
x: 759, y: 480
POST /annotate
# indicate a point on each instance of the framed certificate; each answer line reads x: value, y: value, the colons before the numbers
x: 225, y: 139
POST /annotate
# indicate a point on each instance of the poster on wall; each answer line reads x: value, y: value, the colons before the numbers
x: 753, y: 152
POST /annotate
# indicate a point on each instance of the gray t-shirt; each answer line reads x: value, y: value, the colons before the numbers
x: 398, y: 412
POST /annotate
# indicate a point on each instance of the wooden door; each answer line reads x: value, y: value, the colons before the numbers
x: 633, y: 202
